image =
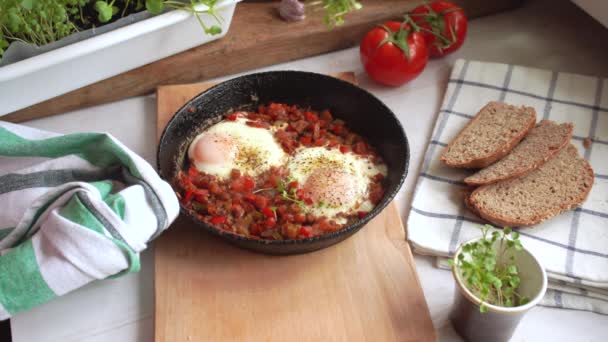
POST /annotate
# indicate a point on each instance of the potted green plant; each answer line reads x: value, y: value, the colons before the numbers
x: 498, y: 282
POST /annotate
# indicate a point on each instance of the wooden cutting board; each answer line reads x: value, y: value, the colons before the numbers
x: 362, y: 289
x: 257, y: 37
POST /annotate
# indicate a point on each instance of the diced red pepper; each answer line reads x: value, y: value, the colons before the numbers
x: 218, y: 220
x: 300, y: 218
x: 306, y: 231
x: 344, y: 149
x: 305, y: 140
x: 362, y: 214
x: 270, y: 222
x: 360, y: 148
x: 201, y: 195
x: 215, y: 188
x: 232, y: 117
x: 257, y: 124
x: 316, y: 131
x: 308, y: 200
x: 261, y: 202
x: 293, y: 185
x: 250, y: 197
x: 300, y: 193
x: 235, y: 174
x: 248, y: 184
x: 192, y: 172
x: 337, y: 129
x: 312, y: 117
x: 268, y: 212
x: 378, y: 177
x: 326, y: 115
x: 237, y: 210
x: 320, y: 142
x: 188, y: 196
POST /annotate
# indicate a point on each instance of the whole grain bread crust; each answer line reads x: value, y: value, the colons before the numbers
x: 495, y: 155
x: 503, y: 221
x: 523, y: 171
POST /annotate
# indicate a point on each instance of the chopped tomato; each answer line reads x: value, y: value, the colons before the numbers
x: 362, y: 214
x: 261, y: 202
x: 300, y: 218
x: 344, y: 149
x: 192, y: 172
x: 248, y: 184
x: 218, y: 219
x: 268, y: 212
x: 337, y: 129
x: 188, y: 196
x: 305, y: 231
x: 293, y: 185
x: 360, y: 148
x: 257, y: 124
x: 320, y: 142
x: 215, y: 188
x: 270, y: 222
x: 311, y: 117
x: 305, y: 140
x: 232, y: 117
x: 316, y: 131
x: 237, y: 210
x: 235, y: 174
x: 201, y: 195
x: 378, y: 177
x: 326, y: 115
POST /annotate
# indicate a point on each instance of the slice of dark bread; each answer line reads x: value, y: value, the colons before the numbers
x: 542, y: 142
x: 489, y: 136
x: 560, y: 184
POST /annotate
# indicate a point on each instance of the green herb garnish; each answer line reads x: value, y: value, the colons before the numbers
x: 335, y: 10
x: 287, y: 193
x: 41, y: 22
x: 491, y: 276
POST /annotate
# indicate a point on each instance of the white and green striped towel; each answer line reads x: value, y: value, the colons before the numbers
x: 73, y: 209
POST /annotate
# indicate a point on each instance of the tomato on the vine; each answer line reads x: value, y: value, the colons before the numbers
x: 443, y: 24
x: 393, y: 53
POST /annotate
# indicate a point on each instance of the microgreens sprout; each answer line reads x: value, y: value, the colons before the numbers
x: 287, y: 193
x: 335, y: 10
x: 490, y: 276
x: 40, y: 22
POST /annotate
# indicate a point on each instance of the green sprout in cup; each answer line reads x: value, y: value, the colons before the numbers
x: 489, y: 272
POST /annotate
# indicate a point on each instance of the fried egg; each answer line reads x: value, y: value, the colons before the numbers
x: 231, y: 145
x: 336, y: 182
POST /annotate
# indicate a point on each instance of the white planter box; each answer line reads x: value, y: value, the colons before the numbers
x: 57, y: 72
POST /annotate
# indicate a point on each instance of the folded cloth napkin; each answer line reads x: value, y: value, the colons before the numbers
x: 573, y: 247
x: 73, y: 208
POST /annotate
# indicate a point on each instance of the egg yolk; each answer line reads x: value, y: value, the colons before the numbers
x: 332, y: 186
x: 214, y: 149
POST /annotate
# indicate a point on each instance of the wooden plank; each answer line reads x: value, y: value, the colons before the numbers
x: 362, y: 289
x: 256, y: 38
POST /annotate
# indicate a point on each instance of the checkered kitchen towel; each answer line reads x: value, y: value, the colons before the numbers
x: 73, y: 208
x: 573, y: 247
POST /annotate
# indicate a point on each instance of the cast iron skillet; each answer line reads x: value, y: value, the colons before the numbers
x: 363, y: 112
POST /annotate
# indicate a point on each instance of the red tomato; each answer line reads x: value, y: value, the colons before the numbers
x: 393, y: 54
x: 218, y: 219
x: 443, y: 24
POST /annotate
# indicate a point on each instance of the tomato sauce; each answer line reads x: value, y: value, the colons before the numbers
x: 272, y: 206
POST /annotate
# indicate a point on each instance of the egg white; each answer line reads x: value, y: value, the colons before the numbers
x: 306, y: 160
x: 257, y: 149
